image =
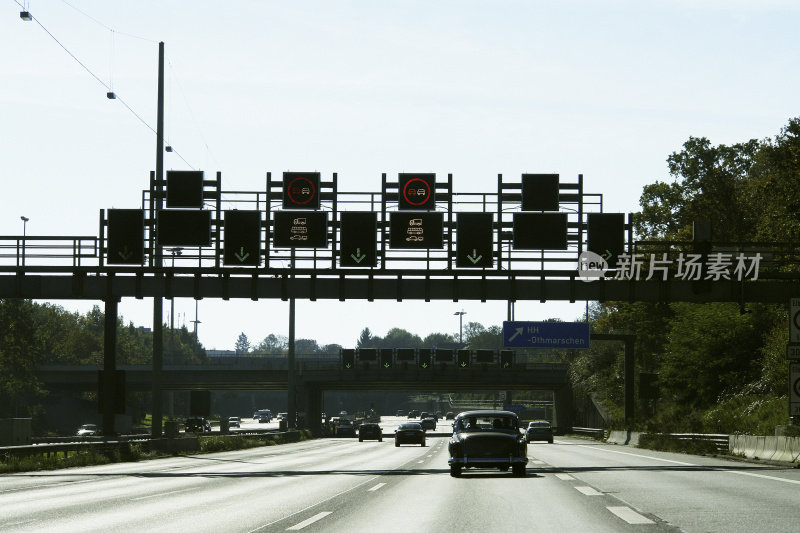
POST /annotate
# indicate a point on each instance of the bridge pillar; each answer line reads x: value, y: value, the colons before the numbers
x: 108, y: 383
x: 312, y: 400
x: 563, y: 411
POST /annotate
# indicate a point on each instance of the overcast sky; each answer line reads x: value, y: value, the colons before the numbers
x: 607, y: 89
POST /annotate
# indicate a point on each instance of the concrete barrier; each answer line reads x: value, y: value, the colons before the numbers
x: 766, y: 448
x: 618, y: 437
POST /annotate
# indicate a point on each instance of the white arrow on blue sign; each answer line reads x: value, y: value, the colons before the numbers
x: 546, y: 334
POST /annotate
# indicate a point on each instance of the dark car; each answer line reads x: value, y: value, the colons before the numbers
x: 487, y: 439
x: 449, y: 415
x: 539, y: 430
x: 370, y: 432
x: 411, y: 433
x: 197, y: 424
x: 413, y: 413
x: 345, y: 428
x: 234, y: 422
x: 428, y: 423
x: 400, y: 413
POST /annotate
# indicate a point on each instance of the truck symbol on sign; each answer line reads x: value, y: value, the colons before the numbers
x: 415, y: 222
x: 300, y: 221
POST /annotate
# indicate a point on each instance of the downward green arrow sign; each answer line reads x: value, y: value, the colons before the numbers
x: 385, y: 365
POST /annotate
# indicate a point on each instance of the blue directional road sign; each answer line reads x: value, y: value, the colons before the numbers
x: 546, y: 334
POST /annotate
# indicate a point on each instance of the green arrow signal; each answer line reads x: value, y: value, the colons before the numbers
x: 347, y: 365
x: 507, y: 365
x: 463, y: 364
x: 424, y: 365
x: 385, y: 365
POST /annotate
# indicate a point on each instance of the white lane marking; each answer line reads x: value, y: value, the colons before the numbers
x: 304, y: 523
x: 629, y: 515
x: 376, y: 487
x: 22, y: 522
x: 588, y: 491
x: 537, y: 462
x: 420, y: 462
x: 159, y: 495
x: 637, y: 455
x: 565, y: 477
x: 315, y: 504
x: 796, y: 482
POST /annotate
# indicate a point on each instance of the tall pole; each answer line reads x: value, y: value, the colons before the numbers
x: 291, y: 410
x: 158, y: 302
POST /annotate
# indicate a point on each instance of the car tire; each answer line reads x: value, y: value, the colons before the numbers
x: 360, y: 439
x: 519, y: 470
x: 380, y: 440
x: 423, y: 444
x: 550, y: 441
x: 396, y: 444
x: 455, y: 471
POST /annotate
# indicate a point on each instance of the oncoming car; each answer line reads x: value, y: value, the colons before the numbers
x: 87, y: 430
x: 487, y: 439
x: 409, y: 433
x: 539, y: 430
x: 234, y: 422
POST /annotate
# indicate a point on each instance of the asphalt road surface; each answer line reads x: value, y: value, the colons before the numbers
x: 343, y: 485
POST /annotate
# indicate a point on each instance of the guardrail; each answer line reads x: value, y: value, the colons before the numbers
x: 595, y: 433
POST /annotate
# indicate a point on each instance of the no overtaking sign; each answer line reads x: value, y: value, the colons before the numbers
x: 794, y: 389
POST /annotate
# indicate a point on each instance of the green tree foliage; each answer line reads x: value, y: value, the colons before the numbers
x: 271, y: 345
x: 365, y: 339
x: 242, y: 345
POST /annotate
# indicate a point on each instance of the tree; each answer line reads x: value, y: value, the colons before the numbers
x: 242, y: 346
x: 365, y: 340
x: 271, y: 345
x: 400, y: 338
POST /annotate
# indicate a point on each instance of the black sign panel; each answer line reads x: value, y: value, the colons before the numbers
x: 125, y: 244
x: 416, y: 192
x: 474, y: 240
x: 416, y: 231
x: 426, y: 358
x: 301, y: 229
x: 348, y: 358
x: 484, y: 356
x: 359, y: 239
x: 540, y: 231
x: 367, y: 354
x: 605, y: 235
x: 506, y: 359
x: 185, y: 188
x: 540, y: 192
x: 444, y: 355
x: 405, y: 354
x: 184, y: 228
x: 463, y: 358
x: 301, y: 190
x: 242, y: 238
x: 386, y: 357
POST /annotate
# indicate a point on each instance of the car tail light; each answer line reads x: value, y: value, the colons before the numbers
x: 420, y: 434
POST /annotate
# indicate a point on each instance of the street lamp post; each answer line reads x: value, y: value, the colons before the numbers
x: 460, y: 325
x: 24, y: 220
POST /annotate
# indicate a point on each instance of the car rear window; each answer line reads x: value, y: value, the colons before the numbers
x: 487, y: 423
x: 410, y: 426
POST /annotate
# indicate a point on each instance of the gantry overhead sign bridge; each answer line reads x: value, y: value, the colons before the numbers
x: 535, y: 237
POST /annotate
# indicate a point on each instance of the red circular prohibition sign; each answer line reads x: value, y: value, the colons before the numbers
x: 310, y: 194
x: 796, y: 320
x: 796, y: 387
x: 416, y: 202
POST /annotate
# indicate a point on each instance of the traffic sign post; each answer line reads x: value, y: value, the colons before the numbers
x: 546, y: 334
x: 178, y: 227
x: 386, y: 358
x: 605, y: 236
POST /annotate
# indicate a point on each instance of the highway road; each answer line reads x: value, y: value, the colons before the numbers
x: 343, y: 485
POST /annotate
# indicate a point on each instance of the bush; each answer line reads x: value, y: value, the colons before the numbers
x: 666, y: 443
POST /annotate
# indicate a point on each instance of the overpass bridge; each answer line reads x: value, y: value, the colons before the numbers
x: 314, y: 377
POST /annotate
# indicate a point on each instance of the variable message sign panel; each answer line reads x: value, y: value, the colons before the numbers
x: 474, y: 243
x: 178, y: 227
x: 540, y: 231
x: 358, y: 239
x: 185, y: 188
x: 125, y: 244
x: 540, y: 192
x: 605, y: 235
x: 301, y: 229
x: 301, y: 190
x: 416, y: 230
x: 416, y: 192
x: 242, y: 238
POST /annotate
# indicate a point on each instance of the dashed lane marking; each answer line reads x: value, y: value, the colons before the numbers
x: 565, y: 477
x: 629, y: 515
x: 376, y: 487
x: 588, y: 491
x: 308, y: 522
x: 159, y: 495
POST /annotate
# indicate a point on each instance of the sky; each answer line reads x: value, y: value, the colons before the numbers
x: 607, y: 89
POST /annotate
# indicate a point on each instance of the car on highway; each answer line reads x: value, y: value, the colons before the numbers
x: 234, y: 422
x: 370, y: 431
x: 413, y: 413
x: 449, y: 415
x: 487, y: 439
x: 539, y: 430
x: 197, y: 424
x: 345, y: 428
x: 400, y: 413
x: 428, y: 423
x: 88, y: 430
x: 409, y: 433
